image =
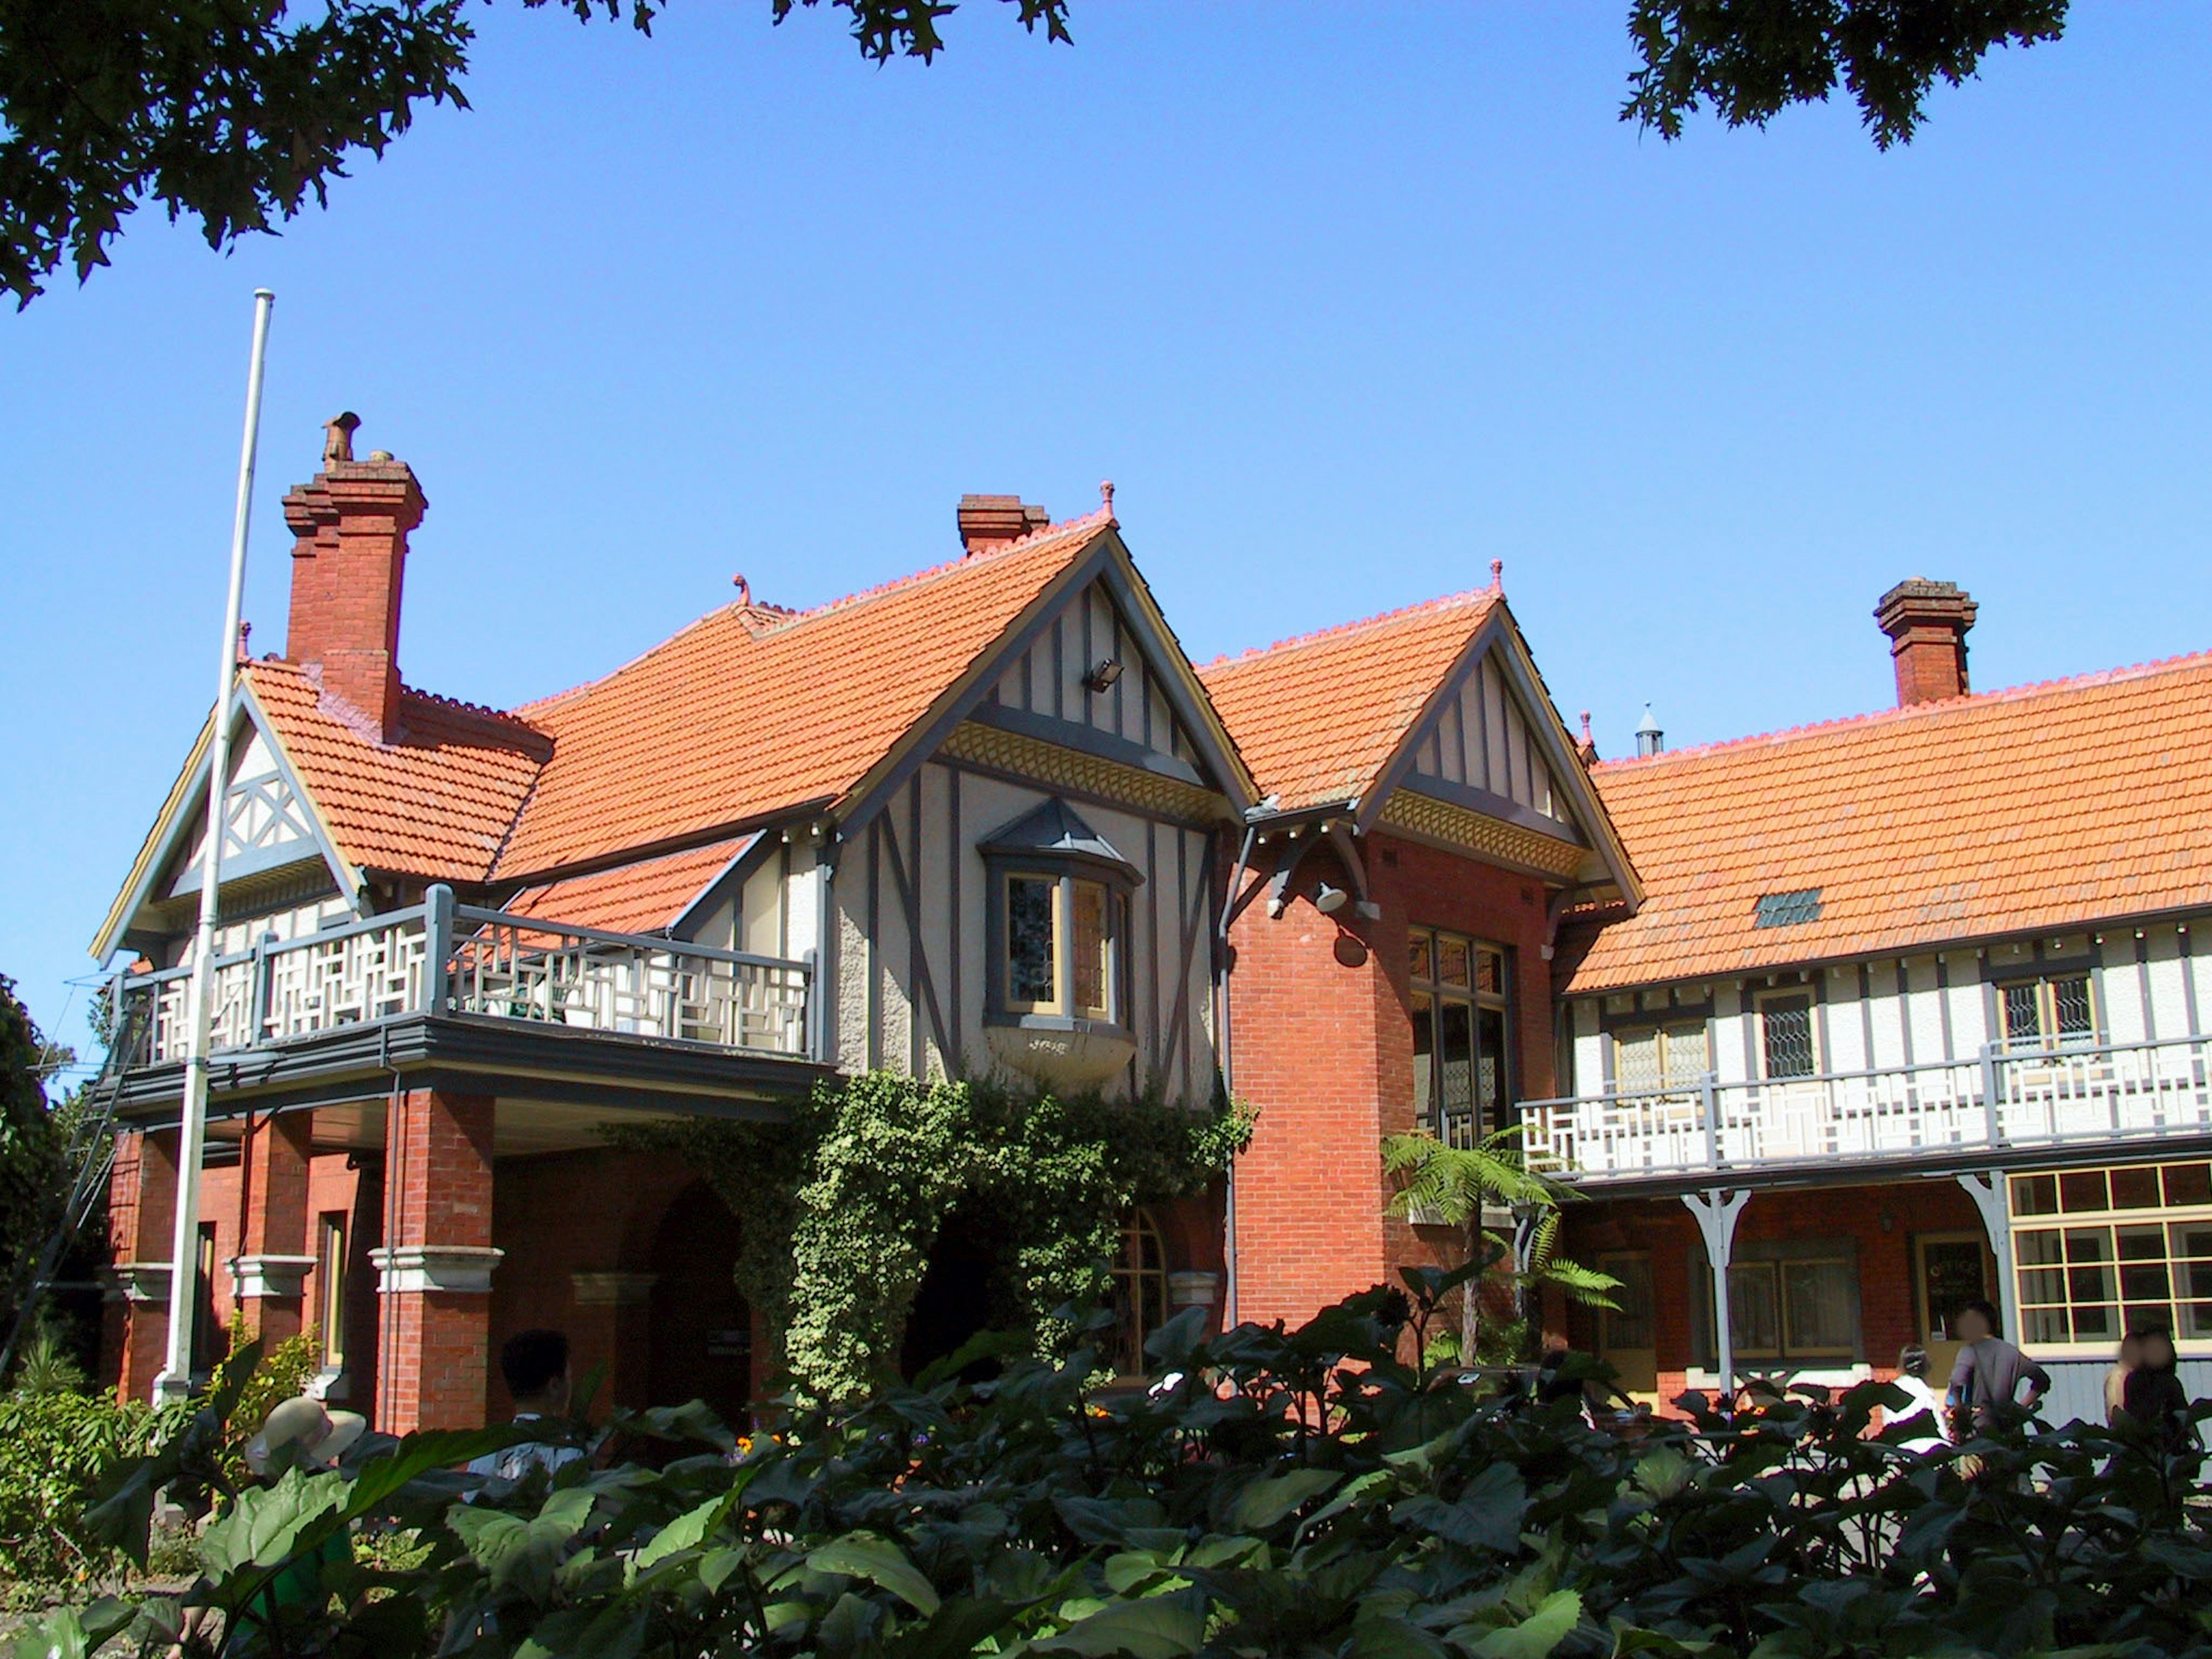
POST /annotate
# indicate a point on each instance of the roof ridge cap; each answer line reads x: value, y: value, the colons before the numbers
x: 457, y: 705
x: 2089, y: 681
x: 1468, y: 597
x: 1098, y: 518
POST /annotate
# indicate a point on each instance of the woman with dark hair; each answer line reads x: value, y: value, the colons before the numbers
x: 2155, y: 1396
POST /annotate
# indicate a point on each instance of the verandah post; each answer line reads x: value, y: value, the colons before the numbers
x: 1715, y: 1212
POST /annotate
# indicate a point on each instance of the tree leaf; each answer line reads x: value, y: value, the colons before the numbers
x: 1155, y: 1628
x: 1264, y: 1502
x: 1534, y: 1636
x: 866, y: 1555
x: 683, y: 1533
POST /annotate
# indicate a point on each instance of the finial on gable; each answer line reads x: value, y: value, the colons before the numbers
x: 245, y: 633
x: 744, y: 588
x: 1498, y: 575
x: 1106, y: 496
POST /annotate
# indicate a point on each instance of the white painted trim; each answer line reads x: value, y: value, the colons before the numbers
x: 279, y: 1276
x: 455, y: 1269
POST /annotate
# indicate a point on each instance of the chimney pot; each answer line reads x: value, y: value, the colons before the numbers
x: 991, y: 522
x: 350, y: 524
x: 1927, y: 623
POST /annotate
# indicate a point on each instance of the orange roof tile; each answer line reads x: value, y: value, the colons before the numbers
x: 645, y: 897
x: 437, y: 803
x: 2039, y: 808
x: 1318, y: 717
x: 734, y: 721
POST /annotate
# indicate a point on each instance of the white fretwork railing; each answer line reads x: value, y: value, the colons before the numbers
x: 2006, y: 1099
x: 444, y: 958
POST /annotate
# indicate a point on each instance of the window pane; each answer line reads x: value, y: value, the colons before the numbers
x: 2191, y: 1239
x: 1687, y: 1057
x: 1786, y: 1029
x: 1423, y: 958
x: 1029, y: 975
x: 2023, y: 1010
x: 2042, y: 1247
x: 1451, y: 960
x: 1489, y: 972
x: 1455, y: 1058
x: 1819, y: 1298
x: 1091, y: 951
x: 2082, y: 1192
x: 1754, y: 1322
x: 2096, y: 1324
x: 1425, y: 1059
x: 2144, y: 1281
x: 2035, y: 1194
x: 2143, y: 1243
x: 2188, y: 1183
x: 2135, y: 1189
x: 1490, y: 1068
x: 1636, y: 1060
x: 2046, y: 1325
x: 2069, y: 1003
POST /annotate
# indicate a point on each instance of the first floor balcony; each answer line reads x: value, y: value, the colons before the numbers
x: 2006, y: 1107
x: 454, y: 988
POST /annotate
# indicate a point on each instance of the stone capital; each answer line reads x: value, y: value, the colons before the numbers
x: 145, y: 1282
x: 1189, y: 1290
x: 265, y: 1275
x: 455, y: 1269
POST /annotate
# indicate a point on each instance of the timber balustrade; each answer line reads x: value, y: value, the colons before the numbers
x: 2003, y: 1100
x: 440, y: 958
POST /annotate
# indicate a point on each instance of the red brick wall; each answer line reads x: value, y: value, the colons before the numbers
x: 1322, y: 1048
x: 435, y: 1344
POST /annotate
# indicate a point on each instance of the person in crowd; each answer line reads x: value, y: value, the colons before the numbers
x: 1924, y: 1415
x: 535, y: 1366
x: 2116, y: 1379
x: 1989, y: 1372
x: 2154, y: 1395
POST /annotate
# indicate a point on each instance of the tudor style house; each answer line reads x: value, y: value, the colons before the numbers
x: 1832, y: 1031
x: 457, y: 943
x: 1911, y: 1014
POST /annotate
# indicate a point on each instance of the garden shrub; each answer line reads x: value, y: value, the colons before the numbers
x: 56, y: 1448
x: 1273, y: 1493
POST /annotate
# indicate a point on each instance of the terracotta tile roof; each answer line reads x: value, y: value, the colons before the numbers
x: 736, y: 718
x: 1317, y: 717
x: 439, y: 803
x: 2043, y: 807
x: 645, y: 897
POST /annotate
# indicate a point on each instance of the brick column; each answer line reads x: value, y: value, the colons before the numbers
x: 434, y: 1269
x: 142, y: 1214
x: 272, y: 1259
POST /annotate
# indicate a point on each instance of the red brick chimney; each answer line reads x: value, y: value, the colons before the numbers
x: 989, y: 521
x: 348, y: 562
x: 1927, y: 623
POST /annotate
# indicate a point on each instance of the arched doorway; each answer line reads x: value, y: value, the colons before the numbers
x: 966, y: 1289
x: 702, y: 1328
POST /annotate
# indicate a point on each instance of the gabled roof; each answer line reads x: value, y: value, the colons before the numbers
x: 437, y: 803
x: 1057, y: 828
x: 2077, y: 802
x: 1334, y: 717
x: 740, y: 719
x: 649, y: 896
x: 1318, y: 718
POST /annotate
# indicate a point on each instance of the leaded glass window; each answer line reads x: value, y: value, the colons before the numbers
x: 1459, y: 1012
x: 1785, y: 1034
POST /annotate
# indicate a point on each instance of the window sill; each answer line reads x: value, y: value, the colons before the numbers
x: 1058, y: 1050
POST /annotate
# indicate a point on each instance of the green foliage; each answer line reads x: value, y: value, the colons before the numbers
x: 1456, y: 1185
x: 1752, y: 58
x: 235, y: 112
x: 32, y: 1176
x: 1290, y: 1493
x: 842, y: 1205
x: 57, y: 1447
x: 262, y: 1379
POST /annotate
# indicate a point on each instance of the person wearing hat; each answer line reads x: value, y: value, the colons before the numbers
x: 298, y: 1433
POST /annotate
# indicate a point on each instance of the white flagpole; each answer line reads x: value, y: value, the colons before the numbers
x: 175, y: 1380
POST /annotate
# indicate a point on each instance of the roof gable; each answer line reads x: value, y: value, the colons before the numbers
x: 2026, y: 811
x: 742, y: 718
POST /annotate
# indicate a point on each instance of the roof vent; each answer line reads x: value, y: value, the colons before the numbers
x: 1789, y: 910
x: 992, y: 521
x: 1650, y: 740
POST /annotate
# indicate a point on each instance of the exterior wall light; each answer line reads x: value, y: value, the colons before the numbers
x: 1100, y: 678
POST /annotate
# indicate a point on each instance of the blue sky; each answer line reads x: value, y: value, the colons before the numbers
x: 1348, y: 300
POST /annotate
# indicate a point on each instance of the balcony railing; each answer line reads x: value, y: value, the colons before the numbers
x: 2007, y: 1098
x: 447, y: 958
